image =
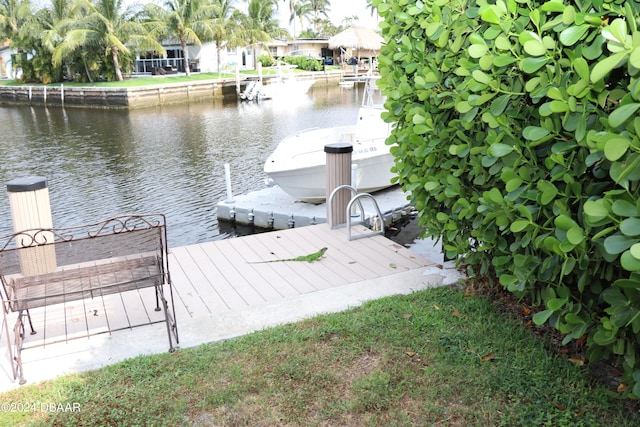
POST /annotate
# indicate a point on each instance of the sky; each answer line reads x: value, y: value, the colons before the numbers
x: 339, y: 10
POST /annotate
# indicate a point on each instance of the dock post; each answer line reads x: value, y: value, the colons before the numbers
x: 238, y: 79
x: 31, y: 208
x: 354, y: 184
x: 338, y: 173
x: 227, y: 180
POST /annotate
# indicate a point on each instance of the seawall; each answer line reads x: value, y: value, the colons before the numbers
x: 109, y: 97
x: 130, y: 97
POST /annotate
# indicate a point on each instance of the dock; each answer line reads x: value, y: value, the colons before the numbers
x: 226, y: 288
x: 272, y: 208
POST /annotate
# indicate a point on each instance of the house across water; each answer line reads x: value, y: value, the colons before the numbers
x: 205, y: 58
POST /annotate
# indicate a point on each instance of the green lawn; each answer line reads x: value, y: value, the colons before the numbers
x: 438, y: 357
x: 135, y: 82
x: 148, y: 81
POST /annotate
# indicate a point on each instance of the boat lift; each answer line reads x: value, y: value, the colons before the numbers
x: 370, y: 89
x: 251, y: 91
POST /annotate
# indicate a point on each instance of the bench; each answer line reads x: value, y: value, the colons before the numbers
x: 51, y: 268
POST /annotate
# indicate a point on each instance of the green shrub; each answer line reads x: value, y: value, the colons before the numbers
x: 267, y: 60
x: 304, y: 63
x: 517, y: 135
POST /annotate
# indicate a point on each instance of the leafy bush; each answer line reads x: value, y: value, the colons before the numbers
x: 304, y: 63
x: 267, y: 60
x: 517, y: 135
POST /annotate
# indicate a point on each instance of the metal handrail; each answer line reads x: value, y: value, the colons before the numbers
x: 354, y: 199
x: 375, y: 204
x: 330, y: 204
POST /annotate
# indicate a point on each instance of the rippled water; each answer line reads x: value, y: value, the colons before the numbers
x: 167, y: 159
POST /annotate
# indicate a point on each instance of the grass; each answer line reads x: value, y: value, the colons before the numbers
x: 438, y: 357
x: 134, y: 82
x: 149, y: 81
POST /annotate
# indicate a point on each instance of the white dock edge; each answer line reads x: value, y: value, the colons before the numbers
x: 271, y: 207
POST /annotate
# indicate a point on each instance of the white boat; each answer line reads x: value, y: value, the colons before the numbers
x: 298, y: 163
x: 285, y: 88
x: 285, y: 85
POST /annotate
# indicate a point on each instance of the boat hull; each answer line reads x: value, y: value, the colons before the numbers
x: 298, y: 165
x: 309, y: 184
x: 285, y: 89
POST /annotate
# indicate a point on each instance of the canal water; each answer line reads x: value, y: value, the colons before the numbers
x: 169, y: 159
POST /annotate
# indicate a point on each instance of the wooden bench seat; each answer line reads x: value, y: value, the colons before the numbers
x: 46, y: 267
x: 71, y: 284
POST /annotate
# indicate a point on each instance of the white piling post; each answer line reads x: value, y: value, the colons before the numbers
x: 354, y: 176
x: 227, y: 178
x: 31, y: 208
x: 238, y: 79
x: 354, y: 184
x: 62, y: 94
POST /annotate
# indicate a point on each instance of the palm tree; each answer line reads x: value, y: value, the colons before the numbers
x: 34, y: 59
x: 54, y: 22
x: 261, y: 24
x: 349, y: 21
x: 108, y: 25
x: 227, y: 28
x: 13, y: 13
x: 318, y: 8
x: 54, y: 19
x: 190, y: 21
x: 300, y: 10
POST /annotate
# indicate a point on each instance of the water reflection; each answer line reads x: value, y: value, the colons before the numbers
x: 167, y: 159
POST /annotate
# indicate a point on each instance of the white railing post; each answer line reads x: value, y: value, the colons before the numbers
x: 31, y: 209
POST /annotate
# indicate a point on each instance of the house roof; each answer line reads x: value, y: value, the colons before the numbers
x: 357, y: 38
x: 298, y: 40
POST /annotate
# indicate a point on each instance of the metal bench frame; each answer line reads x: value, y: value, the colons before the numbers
x: 49, y: 266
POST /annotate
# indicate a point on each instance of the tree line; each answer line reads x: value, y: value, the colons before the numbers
x: 84, y: 40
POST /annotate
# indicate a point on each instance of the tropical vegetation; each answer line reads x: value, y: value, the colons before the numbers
x: 185, y: 20
x: 518, y: 136
x: 90, y: 40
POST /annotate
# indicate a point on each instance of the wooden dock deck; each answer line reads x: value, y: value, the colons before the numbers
x: 215, y: 285
x: 229, y: 274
